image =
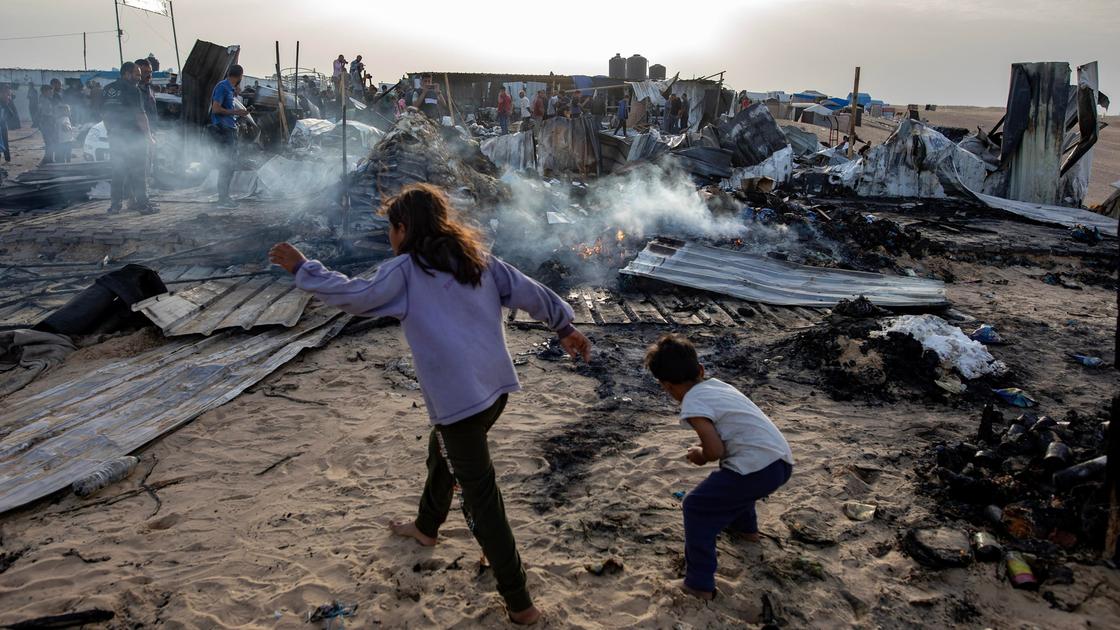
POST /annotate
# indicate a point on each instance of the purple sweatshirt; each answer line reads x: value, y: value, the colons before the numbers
x: 456, y: 331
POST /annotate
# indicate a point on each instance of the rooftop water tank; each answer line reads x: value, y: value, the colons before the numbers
x: 657, y: 72
x: 617, y: 67
x: 636, y: 68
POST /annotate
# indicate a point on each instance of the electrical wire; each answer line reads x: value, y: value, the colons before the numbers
x: 8, y: 39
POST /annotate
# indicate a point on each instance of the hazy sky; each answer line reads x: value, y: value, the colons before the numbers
x: 913, y: 51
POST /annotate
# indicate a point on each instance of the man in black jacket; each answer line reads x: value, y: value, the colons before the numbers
x: 129, y: 138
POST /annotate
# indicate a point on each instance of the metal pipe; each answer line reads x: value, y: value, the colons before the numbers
x: 175, y: 36
x: 120, y: 47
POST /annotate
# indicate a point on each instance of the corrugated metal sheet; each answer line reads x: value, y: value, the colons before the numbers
x: 230, y: 303
x: 1054, y: 215
x: 1034, y: 130
x: 514, y: 150
x: 763, y: 279
x: 604, y: 307
x: 50, y: 439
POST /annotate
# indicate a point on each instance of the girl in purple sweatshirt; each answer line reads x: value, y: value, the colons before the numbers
x: 448, y: 292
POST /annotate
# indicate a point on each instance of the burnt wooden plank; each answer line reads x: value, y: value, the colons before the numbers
x: 643, y: 309
x: 676, y: 310
x: 607, y: 305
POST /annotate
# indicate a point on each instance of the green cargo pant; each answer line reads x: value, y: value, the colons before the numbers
x: 459, y: 453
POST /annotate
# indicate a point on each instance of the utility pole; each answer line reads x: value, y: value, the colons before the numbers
x: 853, y: 104
x: 85, y: 63
x: 120, y: 47
x: 297, y: 75
x: 175, y: 36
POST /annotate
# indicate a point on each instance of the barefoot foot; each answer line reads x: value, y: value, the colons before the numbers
x: 526, y: 617
x: 407, y: 528
x: 705, y: 595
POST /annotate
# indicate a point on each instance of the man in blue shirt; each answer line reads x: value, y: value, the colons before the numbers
x: 623, y: 114
x: 223, y: 120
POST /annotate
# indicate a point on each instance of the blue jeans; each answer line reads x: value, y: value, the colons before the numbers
x: 724, y: 500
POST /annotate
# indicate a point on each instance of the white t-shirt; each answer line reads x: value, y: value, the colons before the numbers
x: 524, y: 102
x: 751, y: 441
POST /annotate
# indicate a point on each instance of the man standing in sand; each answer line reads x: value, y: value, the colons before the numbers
x: 129, y: 137
x: 223, y: 117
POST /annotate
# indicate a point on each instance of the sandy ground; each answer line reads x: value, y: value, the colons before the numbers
x: 278, y: 501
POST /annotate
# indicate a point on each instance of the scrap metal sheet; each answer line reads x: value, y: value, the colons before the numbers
x: 769, y: 281
x: 1054, y: 215
x: 52, y: 438
x: 229, y: 303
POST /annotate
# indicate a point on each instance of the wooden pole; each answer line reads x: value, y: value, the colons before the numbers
x: 280, y: 96
x: 853, y: 105
x: 85, y: 63
x: 297, y: 74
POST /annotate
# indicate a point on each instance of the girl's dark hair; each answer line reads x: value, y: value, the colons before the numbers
x: 435, y: 237
x: 673, y: 360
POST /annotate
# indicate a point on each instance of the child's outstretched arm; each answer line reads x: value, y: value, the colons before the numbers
x: 383, y: 295
x: 521, y: 292
x: 711, y: 446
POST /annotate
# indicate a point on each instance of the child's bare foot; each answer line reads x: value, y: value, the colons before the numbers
x: 705, y: 595
x: 527, y: 617
x: 408, y: 528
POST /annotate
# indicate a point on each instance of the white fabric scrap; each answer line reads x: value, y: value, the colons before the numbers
x: 969, y: 357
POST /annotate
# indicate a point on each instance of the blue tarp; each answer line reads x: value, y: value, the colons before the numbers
x: 584, y: 83
x: 864, y: 99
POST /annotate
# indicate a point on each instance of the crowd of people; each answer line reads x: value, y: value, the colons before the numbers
x: 58, y: 112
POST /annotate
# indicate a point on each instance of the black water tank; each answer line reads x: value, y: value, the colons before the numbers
x: 636, y: 68
x: 657, y: 72
x: 618, y: 67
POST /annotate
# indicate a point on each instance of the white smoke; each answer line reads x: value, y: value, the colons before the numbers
x: 549, y: 220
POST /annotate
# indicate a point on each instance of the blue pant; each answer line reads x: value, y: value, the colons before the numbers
x: 724, y: 500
